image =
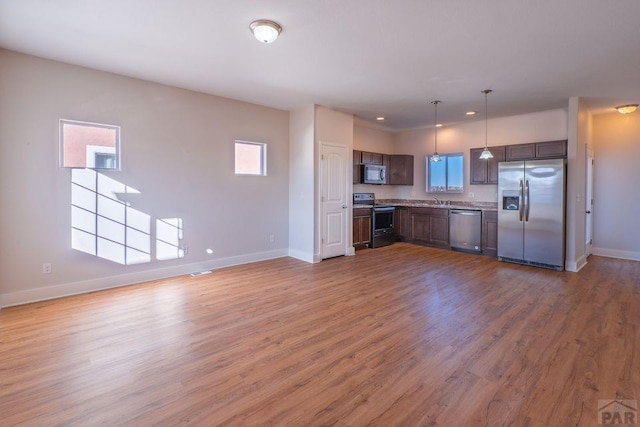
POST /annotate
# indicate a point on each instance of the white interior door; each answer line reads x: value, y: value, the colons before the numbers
x: 334, y: 206
x: 589, y: 203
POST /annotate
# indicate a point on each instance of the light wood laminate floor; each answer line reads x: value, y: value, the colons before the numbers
x: 400, y: 335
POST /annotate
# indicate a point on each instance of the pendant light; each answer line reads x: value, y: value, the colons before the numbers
x: 486, y: 154
x: 436, y: 157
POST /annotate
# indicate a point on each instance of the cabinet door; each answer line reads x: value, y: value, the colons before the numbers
x: 492, y: 164
x: 477, y: 167
x: 439, y: 230
x: 490, y: 233
x: 371, y: 158
x: 403, y: 225
x: 420, y: 227
x: 365, y: 230
x: 551, y: 149
x: 357, y: 160
x: 356, y: 232
x: 400, y: 169
x: 361, y: 231
x: 521, y: 152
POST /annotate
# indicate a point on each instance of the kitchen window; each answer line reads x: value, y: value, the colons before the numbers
x: 251, y: 158
x: 447, y: 175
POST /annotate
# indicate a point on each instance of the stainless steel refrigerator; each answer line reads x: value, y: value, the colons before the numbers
x: 531, y: 212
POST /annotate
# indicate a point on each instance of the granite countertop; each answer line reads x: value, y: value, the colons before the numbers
x: 445, y: 204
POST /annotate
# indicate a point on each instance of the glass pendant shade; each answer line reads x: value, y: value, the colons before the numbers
x: 435, y: 157
x: 486, y: 154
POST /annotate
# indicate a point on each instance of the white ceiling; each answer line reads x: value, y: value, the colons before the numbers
x: 367, y: 57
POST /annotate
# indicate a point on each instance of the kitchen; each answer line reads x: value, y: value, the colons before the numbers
x: 465, y: 138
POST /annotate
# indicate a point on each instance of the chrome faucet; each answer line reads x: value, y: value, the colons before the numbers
x: 437, y: 201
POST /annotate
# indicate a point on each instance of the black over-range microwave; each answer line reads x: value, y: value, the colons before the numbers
x: 373, y: 174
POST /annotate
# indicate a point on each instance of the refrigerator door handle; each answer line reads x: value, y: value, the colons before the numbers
x: 520, y: 201
x: 527, y: 200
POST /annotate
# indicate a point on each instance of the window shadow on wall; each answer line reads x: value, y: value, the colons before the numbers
x: 106, y: 227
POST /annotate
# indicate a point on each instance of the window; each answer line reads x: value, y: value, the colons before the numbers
x: 251, y: 158
x: 89, y: 145
x: 447, y: 175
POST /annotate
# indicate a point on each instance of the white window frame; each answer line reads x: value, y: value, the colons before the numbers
x: 263, y: 157
x: 443, y: 158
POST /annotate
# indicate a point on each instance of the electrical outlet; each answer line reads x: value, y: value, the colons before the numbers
x: 46, y: 268
x: 272, y: 238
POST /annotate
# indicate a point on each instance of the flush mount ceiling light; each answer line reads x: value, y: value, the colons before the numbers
x: 265, y: 31
x: 436, y: 157
x: 627, y: 109
x: 486, y: 154
x: 471, y: 113
x: 380, y: 118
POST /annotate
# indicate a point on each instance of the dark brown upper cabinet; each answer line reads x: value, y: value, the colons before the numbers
x: 357, y: 160
x: 551, y: 149
x: 537, y: 150
x: 371, y: 158
x: 399, y: 169
x: 521, y: 152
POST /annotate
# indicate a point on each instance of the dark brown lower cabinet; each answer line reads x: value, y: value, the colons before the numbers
x: 402, y: 223
x: 362, y: 227
x: 430, y: 226
x: 490, y: 233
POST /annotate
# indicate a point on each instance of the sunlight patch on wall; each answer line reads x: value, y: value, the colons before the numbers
x: 168, y: 236
x: 104, y: 226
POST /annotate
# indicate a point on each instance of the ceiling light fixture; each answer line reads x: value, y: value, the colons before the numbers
x: 436, y: 157
x: 627, y: 109
x: 486, y: 154
x: 265, y: 31
x: 380, y: 118
x: 438, y: 125
x: 471, y: 113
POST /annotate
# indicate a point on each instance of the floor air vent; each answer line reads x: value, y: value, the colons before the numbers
x: 200, y: 273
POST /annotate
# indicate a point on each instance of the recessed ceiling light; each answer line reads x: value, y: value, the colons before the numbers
x: 380, y: 118
x: 471, y: 113
x: 627, y: 109
x: 265, y: 31
x: 438, y: 125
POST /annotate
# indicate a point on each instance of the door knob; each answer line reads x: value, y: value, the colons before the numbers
x: 588, y: 212
x: 344, y: 206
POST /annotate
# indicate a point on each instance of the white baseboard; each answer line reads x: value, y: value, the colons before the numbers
x: 301, y: 255
x: 74, y: 288
x: 614, y: 253
x: 575, y: 266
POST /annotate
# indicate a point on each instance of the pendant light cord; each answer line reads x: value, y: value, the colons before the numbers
x: 486, y: 119
x: 435, y: 103
x: 436, y: 125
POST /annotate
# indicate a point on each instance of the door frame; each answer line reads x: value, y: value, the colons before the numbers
x: 347, y: 229
x: 588, y: 222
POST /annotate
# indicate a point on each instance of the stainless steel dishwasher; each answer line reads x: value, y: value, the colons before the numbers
x: 465, y: 230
